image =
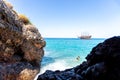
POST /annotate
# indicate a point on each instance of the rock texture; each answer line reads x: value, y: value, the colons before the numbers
x: 103, y: 63
x: 21, y: 46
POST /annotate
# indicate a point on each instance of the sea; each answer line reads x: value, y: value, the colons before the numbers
x: 65, y: 53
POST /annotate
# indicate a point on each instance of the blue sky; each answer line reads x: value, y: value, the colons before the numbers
x: 69, y: 18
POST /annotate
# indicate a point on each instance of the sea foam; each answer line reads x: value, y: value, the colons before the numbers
x: 57, y: 65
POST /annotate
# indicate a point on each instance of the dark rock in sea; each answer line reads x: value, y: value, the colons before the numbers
x: 21, y: 46
x: 103, y: 63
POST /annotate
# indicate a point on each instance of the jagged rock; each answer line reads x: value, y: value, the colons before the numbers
x: 21, y: 46
x: 103, y: 63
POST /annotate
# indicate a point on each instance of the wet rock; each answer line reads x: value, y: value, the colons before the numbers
x: 103, y: 63
x: 21, y: 46
x: 60, y: 75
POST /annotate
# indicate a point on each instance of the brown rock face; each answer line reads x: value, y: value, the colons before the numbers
x: 21, y: 47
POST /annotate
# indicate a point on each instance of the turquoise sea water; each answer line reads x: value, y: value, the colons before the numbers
x: 61, y: 53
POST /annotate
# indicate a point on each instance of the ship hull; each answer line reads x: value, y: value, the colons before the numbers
x: 85, y: 37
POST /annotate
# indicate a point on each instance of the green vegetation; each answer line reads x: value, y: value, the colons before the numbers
x: 24, y: 19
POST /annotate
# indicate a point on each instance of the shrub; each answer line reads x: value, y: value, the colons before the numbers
x: 24, y: 19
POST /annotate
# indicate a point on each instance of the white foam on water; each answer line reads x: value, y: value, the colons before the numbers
x: 57, y: 65
x: 46, y: 53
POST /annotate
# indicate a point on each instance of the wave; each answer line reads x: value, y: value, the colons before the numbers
x: 46, y: 61
x: 57, y: 65
x: 47, y: 52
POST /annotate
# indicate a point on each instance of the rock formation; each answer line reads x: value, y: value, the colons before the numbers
x: 103, y: 63
x: 21, y: 46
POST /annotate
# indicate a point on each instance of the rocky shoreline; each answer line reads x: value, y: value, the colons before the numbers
x: 103, y: 63
x: 21, y: 51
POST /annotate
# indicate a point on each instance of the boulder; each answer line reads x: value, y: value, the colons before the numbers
x: 103, y: 63
x: 21, y: 46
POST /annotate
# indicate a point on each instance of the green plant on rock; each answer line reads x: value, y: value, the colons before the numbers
x: 24, y: 19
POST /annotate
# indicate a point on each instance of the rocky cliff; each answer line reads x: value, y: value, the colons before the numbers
x: 103, y: 63
x: 21, y: 46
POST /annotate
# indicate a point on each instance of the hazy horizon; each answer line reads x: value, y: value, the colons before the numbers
x: 69, y: 18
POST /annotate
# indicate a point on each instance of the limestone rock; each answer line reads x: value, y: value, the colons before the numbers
x: 21, y: 46
x: 103, y: 63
